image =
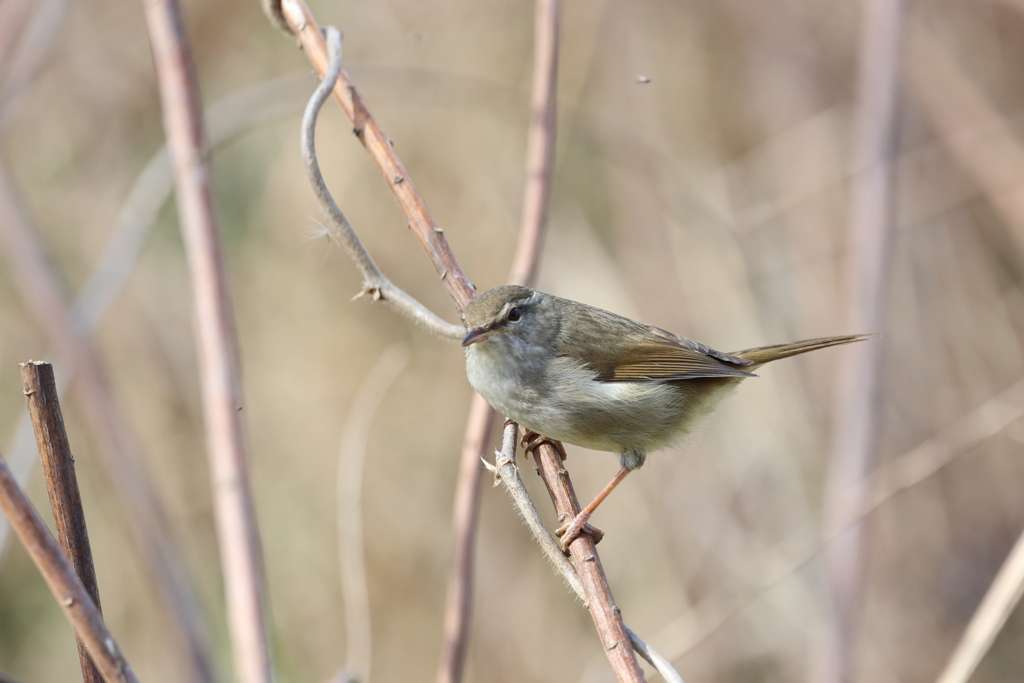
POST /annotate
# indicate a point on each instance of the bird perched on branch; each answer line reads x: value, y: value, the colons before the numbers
x: 575, y: 373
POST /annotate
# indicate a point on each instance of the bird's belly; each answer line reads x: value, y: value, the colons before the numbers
x: 570, y: 405
x: 649, y: 416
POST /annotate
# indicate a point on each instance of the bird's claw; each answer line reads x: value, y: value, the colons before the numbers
x: 568, y: 532
x: 531, y: 441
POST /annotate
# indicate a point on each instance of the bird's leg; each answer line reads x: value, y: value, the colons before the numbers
x: 532, y: 440
x: 568, y: 532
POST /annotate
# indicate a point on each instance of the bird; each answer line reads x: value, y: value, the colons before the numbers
x: 577, y: 374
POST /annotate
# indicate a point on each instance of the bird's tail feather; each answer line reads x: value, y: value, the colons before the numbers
x: 766, y: 354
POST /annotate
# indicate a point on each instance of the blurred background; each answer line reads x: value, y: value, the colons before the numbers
x: 711, y: 201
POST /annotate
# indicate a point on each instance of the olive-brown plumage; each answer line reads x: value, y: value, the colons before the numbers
x: 585, y: 376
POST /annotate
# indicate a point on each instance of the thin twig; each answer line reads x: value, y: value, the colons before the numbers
x: 995, y: 608
x: 237, y: 531
x: 65, y: 585
x: 374, y: 282
x: 61, y: 485
x: 303, y: 25
x: 351, y: 557
x: 506, y: 471
x: 540, y: 155
x: 856, y: 432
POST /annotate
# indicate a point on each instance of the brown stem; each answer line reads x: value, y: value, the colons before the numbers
x: 540, y: 144
x: 65, y: 585
x: 536, y: 199
x: 459, y: 601
x: 583, y: 552
x: 378, y: 145
x: 375, y: 283
x: 237, y: 531
x: 61, y: 485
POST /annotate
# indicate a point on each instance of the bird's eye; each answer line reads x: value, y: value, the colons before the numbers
x: 514, y: 315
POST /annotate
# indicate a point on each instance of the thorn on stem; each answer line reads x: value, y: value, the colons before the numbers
x: 369, y: 290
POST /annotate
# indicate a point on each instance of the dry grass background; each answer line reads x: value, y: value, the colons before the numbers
x: 711, y: 201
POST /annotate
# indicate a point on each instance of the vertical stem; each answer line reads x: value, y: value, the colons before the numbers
x: 858, y: 392
x: 540, y: 144
x: 237, y: 532
x: 458, y: 609
x: 540, y: 156
x: 61, y: 486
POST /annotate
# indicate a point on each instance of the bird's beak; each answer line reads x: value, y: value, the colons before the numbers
x: 477, y: 334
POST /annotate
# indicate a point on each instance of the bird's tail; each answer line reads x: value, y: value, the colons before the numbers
x: 766, y: 354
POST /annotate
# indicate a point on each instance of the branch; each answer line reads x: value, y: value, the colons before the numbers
x: 374, y: 282
x: 995, y: 608
x: 303, y: 25
x: 217, y: 347
x: 603, y: 610
x: 65, y: 585
x: 61, y: 485
x: 869, y: 245
x: 540, y: 144
x: 507, y: 472
x: 536, y: 198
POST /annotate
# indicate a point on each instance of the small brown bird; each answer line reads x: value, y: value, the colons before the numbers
x: 578, y: 374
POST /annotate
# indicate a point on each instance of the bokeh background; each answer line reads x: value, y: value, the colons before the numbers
x: 712, y: 201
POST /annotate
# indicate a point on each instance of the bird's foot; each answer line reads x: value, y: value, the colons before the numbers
x: 531, y: 441
x: 567, y: 533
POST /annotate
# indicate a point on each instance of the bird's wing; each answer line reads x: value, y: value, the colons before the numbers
x: 661, y: 361
x: 645, y: 354
x: 698, y: 347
